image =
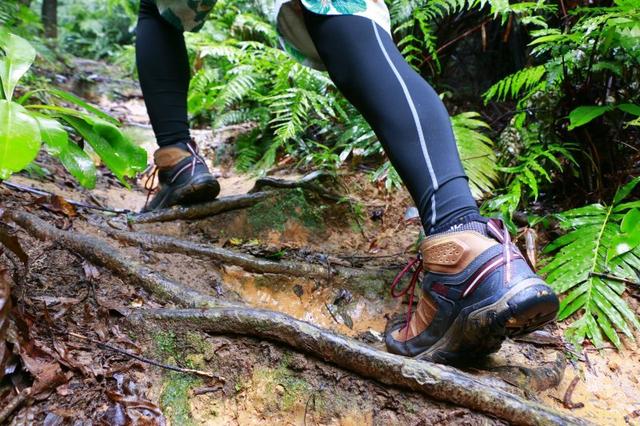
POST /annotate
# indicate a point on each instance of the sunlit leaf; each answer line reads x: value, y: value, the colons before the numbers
x: 15, y: 62
x: 19, y: 138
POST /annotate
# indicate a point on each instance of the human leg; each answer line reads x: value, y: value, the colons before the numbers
x: 477, y: 288
x: 163, y: 69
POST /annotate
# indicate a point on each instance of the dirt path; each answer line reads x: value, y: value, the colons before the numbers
x: 265, y: 383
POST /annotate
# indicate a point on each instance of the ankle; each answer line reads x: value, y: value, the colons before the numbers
x: 473, y: 222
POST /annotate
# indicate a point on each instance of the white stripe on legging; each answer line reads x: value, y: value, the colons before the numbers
x: 416, y: 120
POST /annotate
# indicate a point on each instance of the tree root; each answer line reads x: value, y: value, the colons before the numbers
x: 164, y: 244
x: 101, y: 253
x: 305, y: 182
x: 199, y: 211
x: 436, y: 381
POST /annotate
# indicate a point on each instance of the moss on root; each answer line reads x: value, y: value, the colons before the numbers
x: 289, y: 205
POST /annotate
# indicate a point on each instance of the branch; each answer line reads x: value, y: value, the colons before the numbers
x: 436, y: 381
x: 199, y: 211
x: 101, y: 253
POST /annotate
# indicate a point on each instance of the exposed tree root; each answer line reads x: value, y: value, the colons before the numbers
x: 101, y: 253
x: 305, y: 182
x: 436, y: 381
x: 199, y: 211
x: 164, y: 244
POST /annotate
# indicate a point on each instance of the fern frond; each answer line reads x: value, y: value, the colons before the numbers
x: 587, y: 261
x: 512, y: 85
x: 476, y: 152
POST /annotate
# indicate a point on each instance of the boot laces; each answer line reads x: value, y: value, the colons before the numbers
x: 416, y: 265
x: 150, y: 185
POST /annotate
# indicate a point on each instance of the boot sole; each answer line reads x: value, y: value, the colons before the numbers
x: 480, y: 330
x: 199, y: 190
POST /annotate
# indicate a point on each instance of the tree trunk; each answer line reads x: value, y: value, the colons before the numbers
x: 50, y: 18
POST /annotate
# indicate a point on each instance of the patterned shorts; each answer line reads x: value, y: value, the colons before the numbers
x: 190, y: 15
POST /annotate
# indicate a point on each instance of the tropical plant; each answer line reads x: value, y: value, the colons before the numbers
x: 586, y: 75
x: 26, y: 125
x: 592, y: 263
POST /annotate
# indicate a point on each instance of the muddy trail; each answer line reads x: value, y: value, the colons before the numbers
x: 268, y: 306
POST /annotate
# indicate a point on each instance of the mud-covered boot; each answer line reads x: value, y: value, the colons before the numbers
x: 183, y: 178
x: 476, y: 291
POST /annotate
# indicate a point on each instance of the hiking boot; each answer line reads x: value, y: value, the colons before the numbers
x: 183, y: 178
x: 476, y: 291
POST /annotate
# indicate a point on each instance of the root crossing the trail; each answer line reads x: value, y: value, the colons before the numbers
x: 164, y: 244
x: 101, y: 253
x: 199, y: 211
x: 436, y: 381
x: 220, y: 317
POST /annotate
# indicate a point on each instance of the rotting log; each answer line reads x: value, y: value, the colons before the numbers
x: 165, y: 244
x: 99, y: 252
x: 436, y: 381
x: 199, y: 211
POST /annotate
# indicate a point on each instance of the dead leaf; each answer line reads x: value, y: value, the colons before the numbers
x: 57, y: 204
x: 91, y: 273
x: 129, y: 407
x: 10, y: 241
x: 5, y: 307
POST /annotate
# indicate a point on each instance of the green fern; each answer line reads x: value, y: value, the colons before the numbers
x: 525, y: 80
x: 476, y: 152
x: 590, y: 265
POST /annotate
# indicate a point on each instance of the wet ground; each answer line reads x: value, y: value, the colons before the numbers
x: 264, y: 383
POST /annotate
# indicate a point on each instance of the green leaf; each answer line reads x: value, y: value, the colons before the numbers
x: 19, y: 138
x: 79, y: 164
x: 82, y: 104
x: 632, y: 109
x: 623, y: 243
x: 602, y: 240
x: 53, y: 134
x: 584, y: 114
x: 18, y: 57
x: 119, y: 154
x: 625, y: 190
x: 630, y: 221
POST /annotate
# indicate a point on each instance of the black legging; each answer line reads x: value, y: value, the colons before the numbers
x: 404, y: 111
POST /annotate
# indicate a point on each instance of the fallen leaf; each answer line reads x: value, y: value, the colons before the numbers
x: 5, y: 307
x: 10, y: 241
x: 57, y: 204
x: 91, y: 273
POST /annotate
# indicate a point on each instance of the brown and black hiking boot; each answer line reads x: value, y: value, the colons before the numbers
x: 476, y: 291
x: 183, y: 178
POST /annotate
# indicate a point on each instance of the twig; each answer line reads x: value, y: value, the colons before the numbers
x: 199, y: 211
x: 14, y: 404
x: 207, y: 389
x: 436, y: 381
x: 103, y: 345
x: 566, y: 401
x: 41, y: 192
x: 332, y: 316
x: 613, y: 278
